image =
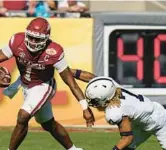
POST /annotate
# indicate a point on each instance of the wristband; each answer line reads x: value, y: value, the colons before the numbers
x: 84, y: 104
x: 115, y: 148
x: 77, y: 74
x: 126, y: 133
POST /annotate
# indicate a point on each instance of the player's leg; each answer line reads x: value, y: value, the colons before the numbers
x: 58, y: 132
x: 140, y: 136
x: 45, y: 117
x: 161, y: 137
x: 34, y: 99
x: 20, y: 130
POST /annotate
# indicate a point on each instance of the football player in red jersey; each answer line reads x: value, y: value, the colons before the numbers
x: 37, y: 56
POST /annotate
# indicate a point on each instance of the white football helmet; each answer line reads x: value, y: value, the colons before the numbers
x: 100, y: 91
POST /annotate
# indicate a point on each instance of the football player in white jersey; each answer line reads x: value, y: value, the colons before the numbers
x: 136, y: 116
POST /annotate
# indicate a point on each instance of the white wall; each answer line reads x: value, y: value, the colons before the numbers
x: 117, y: 6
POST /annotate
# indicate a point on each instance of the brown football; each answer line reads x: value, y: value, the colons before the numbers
x: 5, y: 77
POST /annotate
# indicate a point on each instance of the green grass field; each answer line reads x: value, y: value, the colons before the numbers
x: 86, y: 140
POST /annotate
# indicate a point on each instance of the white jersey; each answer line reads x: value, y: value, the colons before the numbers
x: 143, y: 113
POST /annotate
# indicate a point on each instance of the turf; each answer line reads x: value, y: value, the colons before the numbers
x: 86, y: 140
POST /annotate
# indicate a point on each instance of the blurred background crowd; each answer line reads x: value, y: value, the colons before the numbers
x: 73, y: 8
x: 46, y: 8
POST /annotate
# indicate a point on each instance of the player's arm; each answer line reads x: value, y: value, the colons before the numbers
x: 66, y: 75
x: 3, y: 57
x: 82, y: 75
x: 125, y: 130
x: 68, y: 78
x: 7, y: 51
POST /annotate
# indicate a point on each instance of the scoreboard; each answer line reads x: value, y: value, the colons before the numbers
x: 135, y: 56
x: 130, y: 47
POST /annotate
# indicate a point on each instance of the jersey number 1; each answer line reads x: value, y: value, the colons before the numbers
x: 139, y: 97
x: 28, y: 74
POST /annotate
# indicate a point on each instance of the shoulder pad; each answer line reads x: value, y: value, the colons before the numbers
x: 113, y: 115
x: 54, y: 49
x: 16, y: 40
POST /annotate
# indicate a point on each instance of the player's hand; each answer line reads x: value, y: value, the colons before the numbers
x: 89, y: 117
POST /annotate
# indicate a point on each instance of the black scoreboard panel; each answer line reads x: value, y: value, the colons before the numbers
x: 137, y: 57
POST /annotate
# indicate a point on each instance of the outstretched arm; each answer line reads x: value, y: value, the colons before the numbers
x: 82, y: 75
x: 125, y: 130
x: 3, y: 57
x: 68, y: 78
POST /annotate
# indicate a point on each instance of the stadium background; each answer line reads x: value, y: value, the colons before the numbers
x: 75, y: 35
x: 78, y: 38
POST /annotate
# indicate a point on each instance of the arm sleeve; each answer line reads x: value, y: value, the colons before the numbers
x: 113, y: 115
x: 7, y: 51
x: 61, y: 64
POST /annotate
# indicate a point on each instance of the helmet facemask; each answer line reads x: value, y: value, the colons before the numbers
x: 35, y: 41
x: 96, y: 102
x: 112, y: 101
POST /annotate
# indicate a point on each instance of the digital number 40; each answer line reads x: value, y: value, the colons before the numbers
x: 138, y: 58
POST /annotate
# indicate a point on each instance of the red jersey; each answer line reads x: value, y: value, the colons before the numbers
x: 36, y: 69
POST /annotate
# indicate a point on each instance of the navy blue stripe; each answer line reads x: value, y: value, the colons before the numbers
x: 77, y: 74
x: 140, y: 97
x: 126, y: 133
x: 98, y: 80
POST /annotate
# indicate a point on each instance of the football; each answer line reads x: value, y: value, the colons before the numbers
x: 5, y: 77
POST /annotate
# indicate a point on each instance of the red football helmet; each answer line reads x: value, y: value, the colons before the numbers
x: 37, y: 33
